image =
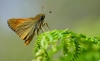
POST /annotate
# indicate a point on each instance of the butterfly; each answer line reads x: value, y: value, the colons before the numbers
x: 26, y: 28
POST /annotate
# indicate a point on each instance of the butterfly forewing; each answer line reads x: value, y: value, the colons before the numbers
x: 24, y: 28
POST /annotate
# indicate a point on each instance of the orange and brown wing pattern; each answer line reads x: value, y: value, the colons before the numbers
x: 14, y: 22
x: 24, y: 28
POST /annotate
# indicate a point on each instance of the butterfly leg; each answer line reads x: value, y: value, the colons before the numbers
x: 41, y: 26
x: 37, y: 31
x: 46, y: 25
x: 42, y: 29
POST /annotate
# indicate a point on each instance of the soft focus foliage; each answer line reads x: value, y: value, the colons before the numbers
x: 69, y: 42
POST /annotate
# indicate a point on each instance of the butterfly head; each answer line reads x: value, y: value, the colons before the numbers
x: 40, y: 17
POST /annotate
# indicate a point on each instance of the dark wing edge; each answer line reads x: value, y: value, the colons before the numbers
x: 10, y: 24
x: 29, y: 39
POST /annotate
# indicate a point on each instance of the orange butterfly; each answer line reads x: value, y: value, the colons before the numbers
x: 26, y: 28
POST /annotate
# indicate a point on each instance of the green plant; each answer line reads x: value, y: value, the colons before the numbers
x: 70, y: 43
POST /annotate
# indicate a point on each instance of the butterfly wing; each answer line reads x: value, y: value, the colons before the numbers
x: 24, y: 28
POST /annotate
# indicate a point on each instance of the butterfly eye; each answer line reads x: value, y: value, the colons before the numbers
x: 42, y: 17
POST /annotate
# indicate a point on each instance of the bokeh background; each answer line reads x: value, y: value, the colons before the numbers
x: 80, y: 16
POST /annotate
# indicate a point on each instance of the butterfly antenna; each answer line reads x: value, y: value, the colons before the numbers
x: 49, y: 12
x: 42, y: 9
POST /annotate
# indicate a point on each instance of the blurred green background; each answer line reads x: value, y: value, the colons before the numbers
x: 80, y: 16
